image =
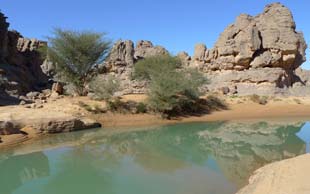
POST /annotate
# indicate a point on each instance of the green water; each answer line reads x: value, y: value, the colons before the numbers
x: 196, y: 158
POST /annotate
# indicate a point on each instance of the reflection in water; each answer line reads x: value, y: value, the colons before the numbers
x: 18, y: 170
x: 209, y: 158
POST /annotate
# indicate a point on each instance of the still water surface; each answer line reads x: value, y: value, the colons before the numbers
x: 195, y: 158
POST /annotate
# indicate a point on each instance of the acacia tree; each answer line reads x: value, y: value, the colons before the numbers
x: 74, y: 54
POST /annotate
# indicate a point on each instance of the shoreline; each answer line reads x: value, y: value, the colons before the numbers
x: 239, y: 109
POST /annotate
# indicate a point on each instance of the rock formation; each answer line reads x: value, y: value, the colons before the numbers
x: 185, y: 58
x: 20, y: 62
x: 260, y: 54
x: 121, y: 60
x: 287, y: 176
x: 255, y: 52
x: 241, y: 148
x: 120, y: 57
x: 3, y: 37
x: 146, y: 49
x: 267, y: 40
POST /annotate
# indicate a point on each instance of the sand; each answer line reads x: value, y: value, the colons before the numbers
x: 239, y: 109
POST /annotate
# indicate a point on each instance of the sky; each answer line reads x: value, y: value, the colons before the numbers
x: 175, y: 24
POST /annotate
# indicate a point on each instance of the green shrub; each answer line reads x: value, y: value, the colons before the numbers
x: 105, y: 88
x: 116, y: 105
x: 263, y: 100
x: 172, y: 90
x: 215, y: 103
x: 141, y: 107
x: 96, y: 109
x: 297, y: 101
x: 74, y: 54
x: 153, y: 66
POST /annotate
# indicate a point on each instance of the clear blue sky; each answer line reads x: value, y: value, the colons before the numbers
x: 174, y: 24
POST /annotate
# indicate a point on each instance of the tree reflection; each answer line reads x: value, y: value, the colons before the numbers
x: 17, y: 170
x: 97, y: 161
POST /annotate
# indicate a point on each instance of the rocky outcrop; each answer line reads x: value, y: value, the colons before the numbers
x: 255, y: 55
x: 16, y: 131
x: 120, y: 57
x: 64, y: 125
x: 267, y: 40
x: 8, y: 128
x: 286, y: 176
x: 120, y: 63
x: 124, y: 54
x: 146, y: 49
x: 20, y: 62
x: 253, y: 48
x: 3, y: 37
x: 185, y: 58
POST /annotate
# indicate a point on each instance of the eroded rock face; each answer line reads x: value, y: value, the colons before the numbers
x: 121, y: 60
x: 146, y: 49
x: 3, y: 37
x: 266, y: 40
x: 261, y: 51
x: 20, y: 62
x: 64, y: 125
x: 185, y: 58
x: 121, y: 55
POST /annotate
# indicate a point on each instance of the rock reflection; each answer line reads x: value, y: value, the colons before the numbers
x: 237, y: 148
x: 18, y: 170
x: 225, y: 153
x: 240, y: 149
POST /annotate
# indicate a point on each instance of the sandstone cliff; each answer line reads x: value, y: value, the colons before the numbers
x: 255, y: 54
x: 20, y: 61
x: 121, y: 60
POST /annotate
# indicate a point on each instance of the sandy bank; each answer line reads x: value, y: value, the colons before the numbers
x: 240, y: 108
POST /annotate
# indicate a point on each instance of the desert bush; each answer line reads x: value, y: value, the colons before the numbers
x: 118, y: 106
x: 115, y: 105
x: 172, y: 90
x: 74, y: 54
x: 153, y: 66
x: 215, y: 103
x: 96, y: 109
x: 141, y: 107
x: 105, y: 87
x: 297, y: 101
x: 263, y: 100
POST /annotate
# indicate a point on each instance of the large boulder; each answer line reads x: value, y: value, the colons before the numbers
x: 64, y: 125
x: 8, y: 128
x: 146, y: 49
x: 121, y: 55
